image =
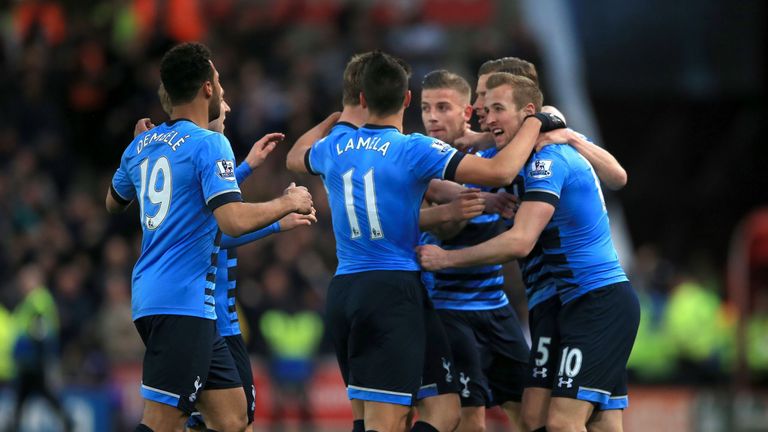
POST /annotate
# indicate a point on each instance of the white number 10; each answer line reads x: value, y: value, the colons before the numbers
x: 370, y: 205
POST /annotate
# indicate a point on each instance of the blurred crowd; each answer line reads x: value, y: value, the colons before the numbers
x: 79, y: 74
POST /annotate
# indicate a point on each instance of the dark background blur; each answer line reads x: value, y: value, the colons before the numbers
x: 677, y: 91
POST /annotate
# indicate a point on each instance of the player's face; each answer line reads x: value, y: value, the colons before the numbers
x: 214, y: 105
x: 502, y: 116
x: 217, y: 125
x: 443, y: 114
x: 479, y: 105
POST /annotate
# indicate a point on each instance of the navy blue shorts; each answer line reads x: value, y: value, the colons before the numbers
x: 490, y: 353
x: 597, y: 331
x: 439, y: 375
x: 545, y: 340
x: 376, y: 322
x: 236, y: 346
x: 184, y: 355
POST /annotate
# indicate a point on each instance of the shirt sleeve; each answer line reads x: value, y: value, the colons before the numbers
x: 228, y: 242
x: 122, y: 188
x: 216, y: 170
x: 545, y: 176
x: 242, y: 172
x: 431, y: 158
x: 315, y: 157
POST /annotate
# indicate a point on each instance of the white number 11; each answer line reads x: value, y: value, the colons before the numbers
x: 370, y: 205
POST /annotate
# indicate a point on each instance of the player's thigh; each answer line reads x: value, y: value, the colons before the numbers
x: 566, y: 414
x: 535, y: 406
x: 242, y: 360
x: 606, y: 421
x: 468, y: 358
x: 545, y: 344
x: 387, y: 337
x: 162, y: 417
x: 597, y: 331
x: 385, y: 417
x: 337, y: 320
x: 513, y: 412
x: 443, y: 411
x: 472, y: 419
x: 179, y: 351
x: 222, y: 402
x: 223, y: 409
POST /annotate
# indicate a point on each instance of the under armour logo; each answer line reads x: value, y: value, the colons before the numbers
x: 464, y: 380
x: 197, y: 385
x: 567, y: 382
x: 447, y: 367
x: 253, y: 392
x: 539, y: 372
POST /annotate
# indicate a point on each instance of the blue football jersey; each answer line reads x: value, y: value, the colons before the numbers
x: 470, y: 288
x: 576, y: 243
x: 376, y: 178
x: 179, y: 173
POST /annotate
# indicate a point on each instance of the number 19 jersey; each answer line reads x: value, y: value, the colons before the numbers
x: 376, y: 178
x: 179, y: 173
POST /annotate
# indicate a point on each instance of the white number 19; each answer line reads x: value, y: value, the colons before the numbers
x: 160, y: 197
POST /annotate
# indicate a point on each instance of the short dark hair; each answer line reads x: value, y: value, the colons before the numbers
x: 443, y: 79
x: 353, y: 76
x: 524, y: 90
x: 512, y: 65
x: 184, y: 69
x: 384, y: 83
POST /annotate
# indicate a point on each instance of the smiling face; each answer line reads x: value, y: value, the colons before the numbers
x: 443, y: 113
x: 217, y: 124
x: 502, y: 116
x: 480, y: 96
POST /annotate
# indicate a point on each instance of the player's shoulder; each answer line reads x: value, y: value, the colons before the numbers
x: 428, y: 142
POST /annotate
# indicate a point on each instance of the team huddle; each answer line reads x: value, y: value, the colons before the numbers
x: 423, y: 223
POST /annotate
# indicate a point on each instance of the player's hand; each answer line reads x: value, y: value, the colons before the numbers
x: 142, y: 126
x: 262, y: 148
x: 299, y: 198
x: 502, y: 203
x: 432, y: 258
x: 330, y: 121
x: 473, y: 141
x: 548, y: 121
x: 557, y: 136
x: 295, y: 220
x: 468, y: 204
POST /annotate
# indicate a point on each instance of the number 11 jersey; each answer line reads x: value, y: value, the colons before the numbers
x: 376, y: 178
x: 179, y: 173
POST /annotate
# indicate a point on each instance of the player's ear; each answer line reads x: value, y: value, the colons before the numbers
x: 407, y: 100
x: 468, y: 112
x: 363, y: 103
x: 208, y: 89
x: 529, y: 109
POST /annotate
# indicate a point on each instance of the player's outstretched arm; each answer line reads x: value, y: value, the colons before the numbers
x: 295, y: 159
x: 238, y: 218
x: 607, y: 168
x: 473, y: 141
x: 262, y: 148
x: 502, y: 168
x: 517, y: 242
x: 287, y: 223
x: 442, y: 191
x: 467, y: 204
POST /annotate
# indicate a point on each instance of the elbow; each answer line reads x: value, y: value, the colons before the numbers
x: 619, y: 181
x: 232, y: 228
x: 500, y: 178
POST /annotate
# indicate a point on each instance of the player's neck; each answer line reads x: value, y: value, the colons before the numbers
x: 395, y: 120
x: 195, y: 111
x: 353, y: 114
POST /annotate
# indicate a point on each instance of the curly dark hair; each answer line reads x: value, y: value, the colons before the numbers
x: 184, y: 69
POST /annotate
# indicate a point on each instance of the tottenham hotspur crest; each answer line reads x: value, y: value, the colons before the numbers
x: 447, y: 367
x: 540, y: 168
x: 197, y: 385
